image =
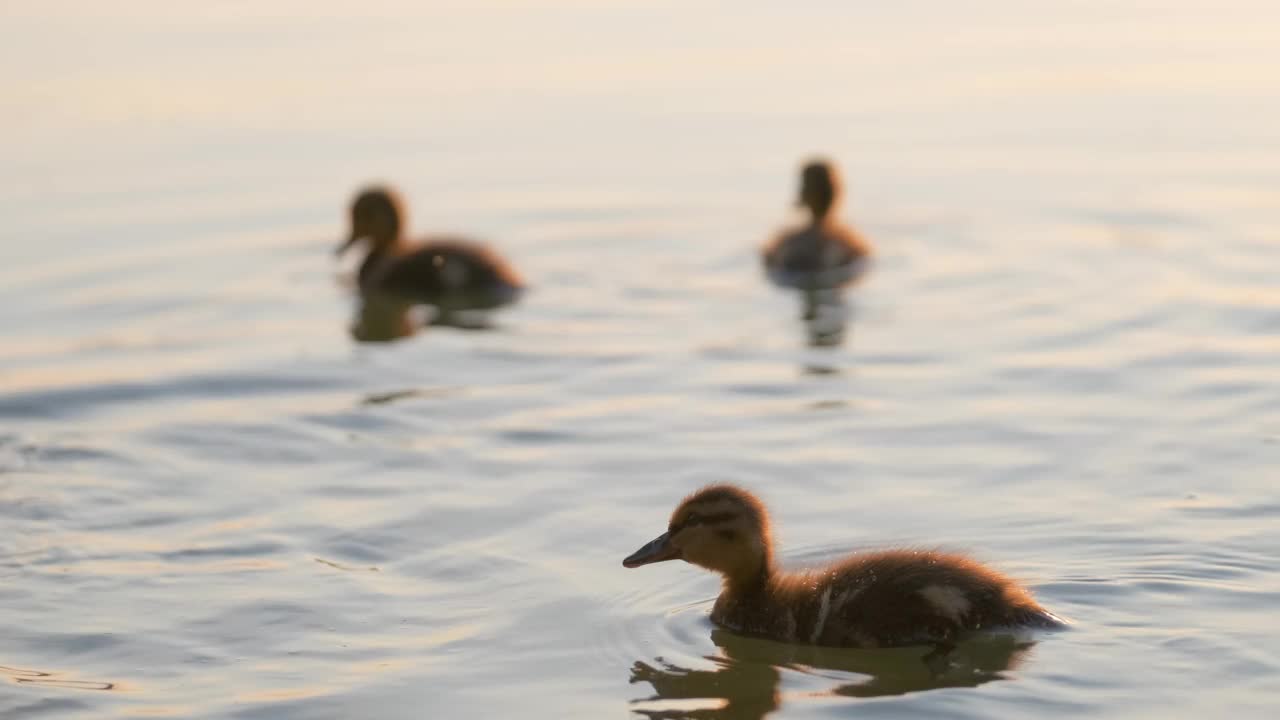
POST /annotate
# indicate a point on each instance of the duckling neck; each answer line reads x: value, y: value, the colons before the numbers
x: 391, y: 244
x: 378, y: 256
x: 818, y: 216
x: 750, y: 603
x: 752, y: 582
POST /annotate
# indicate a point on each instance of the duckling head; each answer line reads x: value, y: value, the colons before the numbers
x: 722, y: 528
x: 819, y: 188
x: 377, y: 215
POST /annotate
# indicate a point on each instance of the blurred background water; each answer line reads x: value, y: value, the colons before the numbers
x: 216, y: 504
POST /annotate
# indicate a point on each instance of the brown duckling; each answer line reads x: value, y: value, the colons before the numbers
x: 823, y: 253
x: 875, y: 599
x: 450, y: 273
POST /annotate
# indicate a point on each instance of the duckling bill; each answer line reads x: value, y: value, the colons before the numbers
x: 877, y: 599
x: 451, y: 273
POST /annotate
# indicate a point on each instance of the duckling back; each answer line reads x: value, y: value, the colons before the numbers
x: 450, y: 273
x: 882, y: 599
x: 816, y: 257
x: 903, y: 597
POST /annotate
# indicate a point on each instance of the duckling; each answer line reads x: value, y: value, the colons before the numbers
x: 450, y: 273
x: 877, y: 599
x: 824, y: 253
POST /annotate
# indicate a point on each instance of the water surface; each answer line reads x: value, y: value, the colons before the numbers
x: 217, y: 504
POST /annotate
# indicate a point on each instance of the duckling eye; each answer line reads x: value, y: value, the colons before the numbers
x: 692, y: 518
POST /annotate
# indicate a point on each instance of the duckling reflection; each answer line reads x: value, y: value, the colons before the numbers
x: 745, y: 684
x: 820, y: 258
x: 454, y: 275
x: 826, y: 316
x: 737, y: 689
x: 383, y: 318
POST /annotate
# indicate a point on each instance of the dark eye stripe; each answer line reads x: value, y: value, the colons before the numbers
x: 696, y: 519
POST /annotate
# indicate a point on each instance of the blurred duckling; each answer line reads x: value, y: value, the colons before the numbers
x: 824, y: 253
x: 876, y: 599
x: 451, y: 273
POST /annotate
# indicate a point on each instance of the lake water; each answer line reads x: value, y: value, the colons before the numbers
x: 216, y: 504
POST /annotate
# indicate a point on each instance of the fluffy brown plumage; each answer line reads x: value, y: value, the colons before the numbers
x: 449, y: 272
x: 823, y: 252
x: 875, y: 599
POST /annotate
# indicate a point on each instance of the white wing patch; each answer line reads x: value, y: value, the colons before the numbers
x: 947, y: 600
x: 823, y: 609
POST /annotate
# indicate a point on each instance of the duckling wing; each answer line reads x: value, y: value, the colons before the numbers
x: 453, y: 273
x: 909, y: 597
x: 795, y: 251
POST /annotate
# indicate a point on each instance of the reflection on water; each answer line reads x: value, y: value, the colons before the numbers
x: 826, y: 315
x: 824, y: 309
x: 746, y: 681
x: 383, y: 318
x: 24, y: 676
